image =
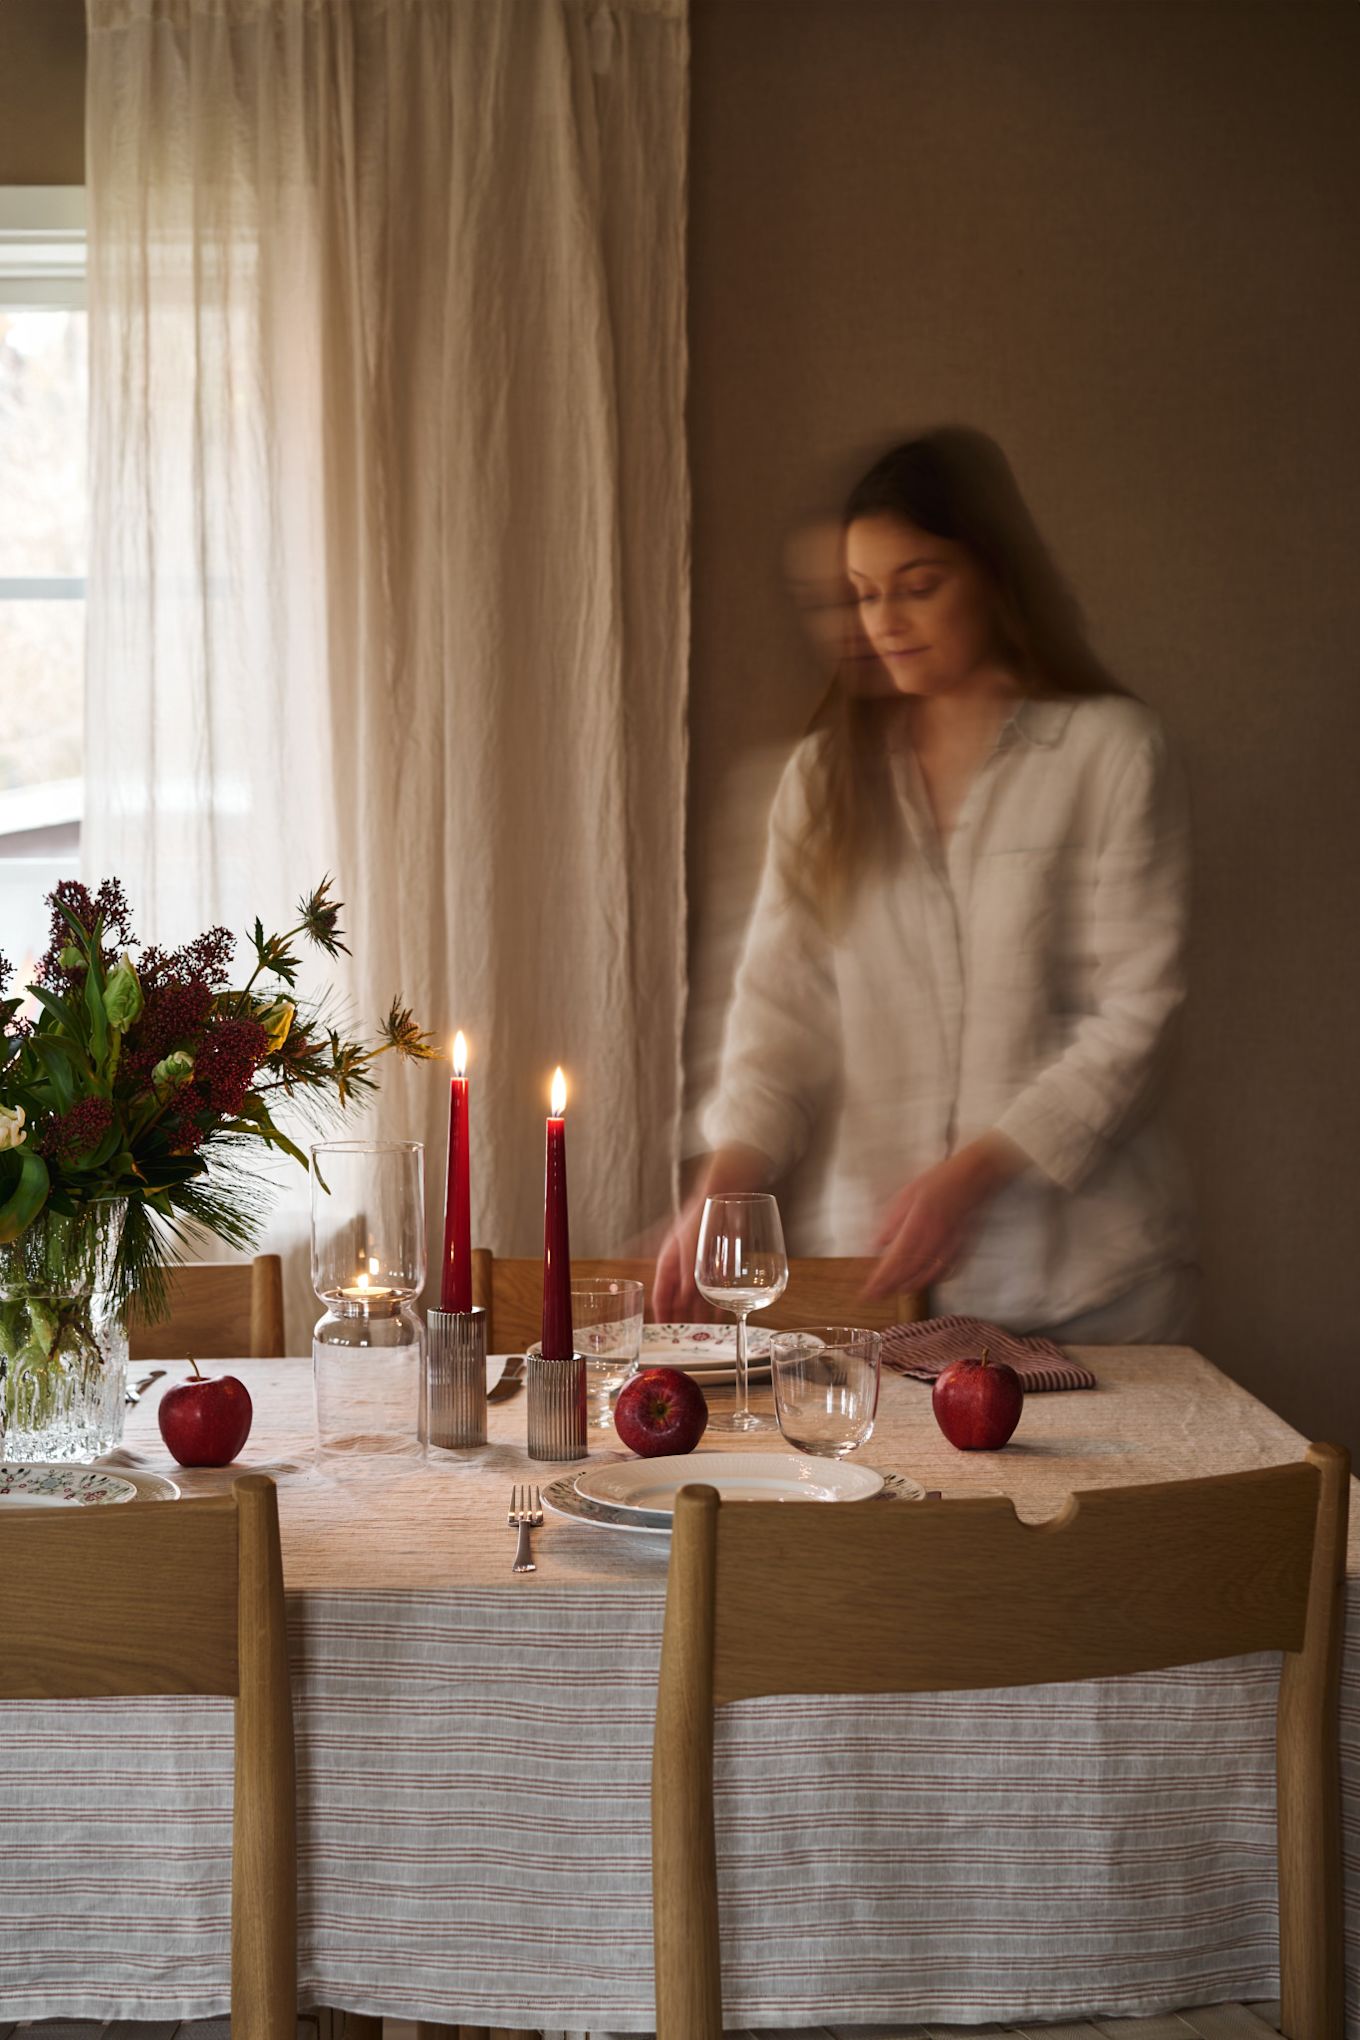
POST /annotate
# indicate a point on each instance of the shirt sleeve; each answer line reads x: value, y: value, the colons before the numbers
x: 1080, y: 1104
x: 781, y: 1042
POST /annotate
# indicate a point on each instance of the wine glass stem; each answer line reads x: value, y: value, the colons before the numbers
x: 743, y: 1390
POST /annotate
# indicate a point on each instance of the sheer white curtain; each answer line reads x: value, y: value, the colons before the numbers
x: 389, y: 571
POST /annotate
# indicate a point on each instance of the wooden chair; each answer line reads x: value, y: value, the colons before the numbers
x: 148, y: 1599
x: 948, y: 1596
x: 219, y: 1310
x: 826, y: 1292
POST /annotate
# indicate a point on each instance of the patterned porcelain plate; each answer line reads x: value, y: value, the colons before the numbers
x: 151, y: 1487
x: 37, y: 1486
x: 708, y: 1351
x: 561, y: 1497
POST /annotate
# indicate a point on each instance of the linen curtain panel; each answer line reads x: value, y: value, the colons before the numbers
x: 389, y: 565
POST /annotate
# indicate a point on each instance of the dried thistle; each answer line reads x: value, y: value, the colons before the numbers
x: 400, y: 1033
x: 320, y: 919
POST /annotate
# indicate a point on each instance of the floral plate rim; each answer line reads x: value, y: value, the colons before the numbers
x: 61, y: 1484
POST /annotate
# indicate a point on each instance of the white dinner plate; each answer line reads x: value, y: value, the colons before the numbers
x: 719, y: 1375
x: 652, y: 1484
x: 41, y: 1484
x: 561, y: 1497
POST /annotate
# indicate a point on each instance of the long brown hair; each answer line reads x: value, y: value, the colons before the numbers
x: 956, y: 484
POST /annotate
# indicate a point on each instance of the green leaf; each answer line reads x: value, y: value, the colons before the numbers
x: 61, y: 1065
x: 101, y: 1153
x: 99, y: 1025
x: 83, y: 935
x: 26, y: 1200
x: 61, y: 1010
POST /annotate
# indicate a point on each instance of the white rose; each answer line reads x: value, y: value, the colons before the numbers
x: 12, y: 1133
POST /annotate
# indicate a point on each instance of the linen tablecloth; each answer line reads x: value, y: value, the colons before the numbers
x: 474, y: 1753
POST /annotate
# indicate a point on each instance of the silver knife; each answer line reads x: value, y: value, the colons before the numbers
x: 510, y: 1381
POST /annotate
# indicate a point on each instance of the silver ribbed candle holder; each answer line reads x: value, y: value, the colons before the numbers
x: 453, y: 1408
x: 557, y: 1406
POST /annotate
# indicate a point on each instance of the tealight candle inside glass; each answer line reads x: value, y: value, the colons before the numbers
x: 826, y: 1381
x: 368, y: 1221
x: 606, y: 1318
x: 368, y: 1267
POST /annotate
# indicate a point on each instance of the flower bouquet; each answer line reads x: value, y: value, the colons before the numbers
x: 131, y: 1101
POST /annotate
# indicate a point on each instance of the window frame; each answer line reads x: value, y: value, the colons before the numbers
x: 42, y: 268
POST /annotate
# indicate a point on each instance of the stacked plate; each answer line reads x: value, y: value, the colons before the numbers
x: 639, y: 1494
x: 708, y: 1352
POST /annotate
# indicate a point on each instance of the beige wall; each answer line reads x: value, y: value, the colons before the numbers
x: 42, y: 91
x: 1122, y: 239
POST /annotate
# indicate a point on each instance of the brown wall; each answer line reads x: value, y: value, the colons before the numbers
x: 1121, y: 238
x: 42, y: 92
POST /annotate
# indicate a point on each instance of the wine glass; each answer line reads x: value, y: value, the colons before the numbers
x: 741, y: 1266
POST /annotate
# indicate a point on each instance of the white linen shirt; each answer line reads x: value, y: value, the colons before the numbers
x: 1022, y: 976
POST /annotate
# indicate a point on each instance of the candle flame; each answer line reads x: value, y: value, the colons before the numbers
x: 362, y: 1280
x: 460, y: 1054
x: 559, y: 1094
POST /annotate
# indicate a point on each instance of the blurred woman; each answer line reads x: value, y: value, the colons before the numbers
x: 968, y: 944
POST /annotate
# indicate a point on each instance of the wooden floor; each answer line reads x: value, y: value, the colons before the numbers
x: 1214, y: 2022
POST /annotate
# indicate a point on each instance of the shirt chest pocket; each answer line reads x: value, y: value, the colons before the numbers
x: 1017, y: 912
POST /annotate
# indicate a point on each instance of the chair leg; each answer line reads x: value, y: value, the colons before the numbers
x: 358, y: 2026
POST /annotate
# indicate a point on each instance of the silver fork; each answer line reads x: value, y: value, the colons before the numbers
x: 526, y: 1513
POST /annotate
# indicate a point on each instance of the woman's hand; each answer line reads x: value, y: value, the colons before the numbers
x: 675, y: 1300
x: 929, y: 1225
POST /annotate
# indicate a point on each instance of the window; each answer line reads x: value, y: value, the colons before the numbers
x: 43, y: 381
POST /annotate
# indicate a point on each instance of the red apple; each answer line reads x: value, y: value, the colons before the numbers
x: 205, y: 1420
x: 977, y: 1405
x: 661, y: 1411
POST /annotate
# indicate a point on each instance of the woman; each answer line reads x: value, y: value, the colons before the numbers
x: 969, y: 938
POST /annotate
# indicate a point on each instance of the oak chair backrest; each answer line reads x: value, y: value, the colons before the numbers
x: 820, y: 1292
x: 149, y: 1598
x: 219, y: 1310
x: 948, y: 1596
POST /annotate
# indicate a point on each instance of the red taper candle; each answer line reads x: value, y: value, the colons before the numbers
x: 455, y: 1280
x: 557, y: 1336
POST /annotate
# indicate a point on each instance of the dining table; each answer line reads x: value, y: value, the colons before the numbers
x: 474, y: 1753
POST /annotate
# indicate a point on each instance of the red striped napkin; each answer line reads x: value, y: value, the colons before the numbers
x: 925, y: 1349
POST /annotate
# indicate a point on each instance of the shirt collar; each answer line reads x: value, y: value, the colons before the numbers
x: 1039, y: 720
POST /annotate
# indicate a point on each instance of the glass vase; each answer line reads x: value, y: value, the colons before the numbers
x: 63, y: 1342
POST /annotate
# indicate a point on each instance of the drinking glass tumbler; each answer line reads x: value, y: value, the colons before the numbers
x: 606, y: 1317
x: 826, y: 1380
x: 368, y: 1267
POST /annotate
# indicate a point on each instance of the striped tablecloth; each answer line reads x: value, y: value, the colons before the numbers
x: 474, y: 1754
